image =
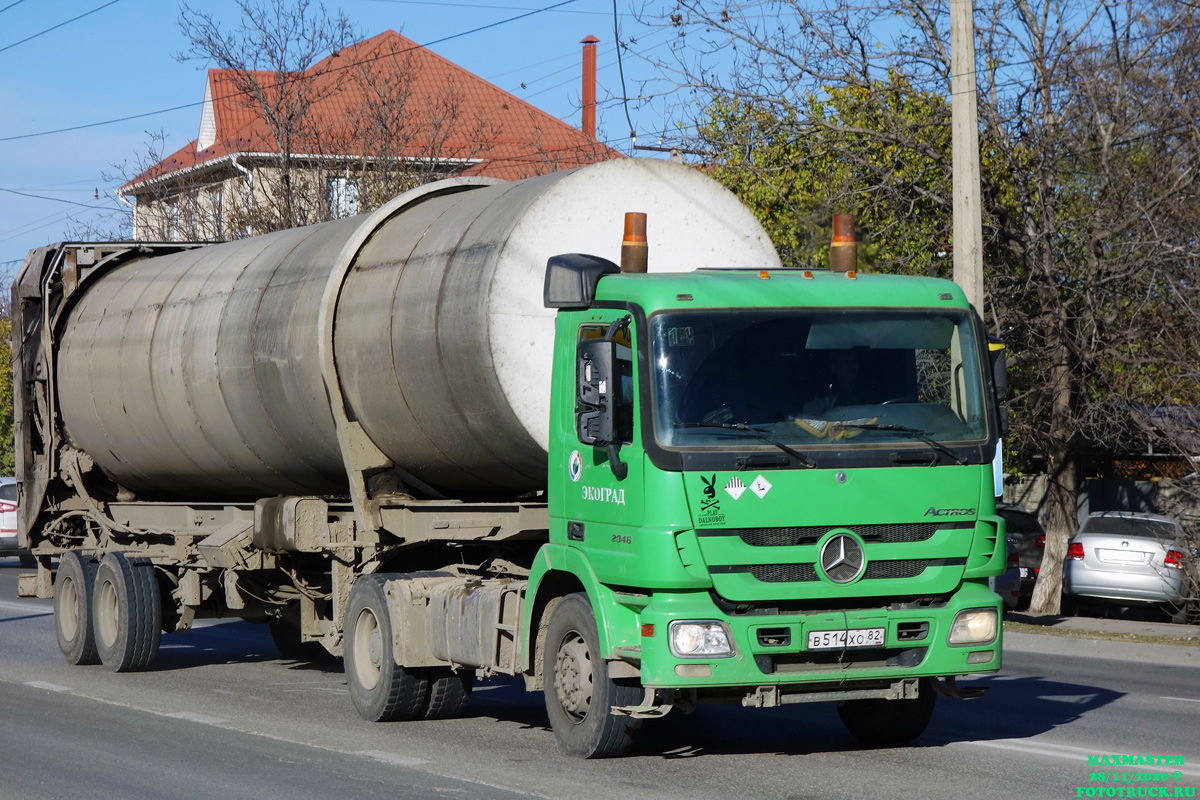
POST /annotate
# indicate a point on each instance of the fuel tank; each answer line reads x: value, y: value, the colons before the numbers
x: 200, y: 374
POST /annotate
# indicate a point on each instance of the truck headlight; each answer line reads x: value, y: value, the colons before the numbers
x: 977, y: 626
x: 702, y: 639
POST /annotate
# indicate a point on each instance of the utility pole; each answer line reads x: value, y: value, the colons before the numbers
x: 964, y: 121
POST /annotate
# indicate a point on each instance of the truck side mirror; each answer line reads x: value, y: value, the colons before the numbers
x: 594, y: 362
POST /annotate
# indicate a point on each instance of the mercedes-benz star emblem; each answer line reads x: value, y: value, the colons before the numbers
x: 842, y: 558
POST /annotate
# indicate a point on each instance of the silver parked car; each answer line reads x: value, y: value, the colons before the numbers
x: 1125, y: 558
x: 8, y: 522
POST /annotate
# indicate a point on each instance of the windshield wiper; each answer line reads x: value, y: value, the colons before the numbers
x: 916, y: 433
x: 803, y: 460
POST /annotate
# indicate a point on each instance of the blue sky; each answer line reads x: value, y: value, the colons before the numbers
x: 119, y: 61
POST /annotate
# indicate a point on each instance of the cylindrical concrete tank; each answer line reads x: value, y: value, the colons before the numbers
x: 199, y: 374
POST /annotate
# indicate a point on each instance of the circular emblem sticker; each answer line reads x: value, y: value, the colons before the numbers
x: 575, y: 466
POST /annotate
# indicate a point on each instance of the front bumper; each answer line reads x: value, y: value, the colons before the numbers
x: 770, y: 649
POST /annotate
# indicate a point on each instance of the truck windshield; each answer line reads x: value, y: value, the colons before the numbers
x: 816, y: 378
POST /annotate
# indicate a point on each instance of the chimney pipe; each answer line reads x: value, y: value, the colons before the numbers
x: 589, y: 86
x: 843, y: 252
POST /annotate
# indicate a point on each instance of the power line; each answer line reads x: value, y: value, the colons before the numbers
x: 390, y: 54
x: 441, y: 4
x: 10, y: 5
x: 621, y: 69
x: 54, y: 27
x: 43, y: 197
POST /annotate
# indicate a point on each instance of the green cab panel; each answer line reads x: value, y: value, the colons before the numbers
x: 763, y: 535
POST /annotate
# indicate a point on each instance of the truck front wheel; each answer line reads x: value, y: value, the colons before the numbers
x: 889, y: 721
x: 579, y: 692
x: 381, y: 689
x: 73, y: 587
x: 127, y: 613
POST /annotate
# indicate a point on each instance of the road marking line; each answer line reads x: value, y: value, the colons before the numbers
x: 202, y: 718
x: 390, y: 758
x: 50, y: 687
x: 379, y: 755
x: 1184, y: 699
x: 23, y: 607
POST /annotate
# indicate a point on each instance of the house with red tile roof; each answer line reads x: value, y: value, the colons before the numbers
x: 277, y: 150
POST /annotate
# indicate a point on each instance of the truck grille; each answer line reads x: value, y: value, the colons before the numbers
x: 784, y: 573
x: 810, y: 534
x: 876, y: 570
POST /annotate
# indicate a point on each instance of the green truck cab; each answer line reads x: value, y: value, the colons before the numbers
x: 772, y: 486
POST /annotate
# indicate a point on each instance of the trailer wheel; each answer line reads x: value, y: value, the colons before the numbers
x: 579, y: 692
x: 889, y: 721
x: 381, y: 689
x: 127, y: 613
x: 73, y: 625
x: 449, y: 692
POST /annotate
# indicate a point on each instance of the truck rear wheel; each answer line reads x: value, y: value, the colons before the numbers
x: 449, y: 692
x: 889, y: 721
x: 579, y: 692
x: 286, y: 638
x: 127, y: 613
x: 381, y: 689
x: 73, y: 587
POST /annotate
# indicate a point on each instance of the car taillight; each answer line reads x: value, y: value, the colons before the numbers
x: 1075, y: 551
x: 1014, y: 559
x: 7, y: 507
x: 1174, y: 559
x: 1041, y: 540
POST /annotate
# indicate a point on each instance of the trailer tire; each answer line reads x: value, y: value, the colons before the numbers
x: 449, y: 692
x: 579, y: 692
x: 127, y: 613
x: 73, y: 625
x: 381, y: 689
x: 889, y: 721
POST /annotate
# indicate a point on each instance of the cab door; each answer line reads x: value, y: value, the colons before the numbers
x: 597, y: 463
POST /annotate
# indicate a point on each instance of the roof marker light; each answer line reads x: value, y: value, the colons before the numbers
x: 764, y: 275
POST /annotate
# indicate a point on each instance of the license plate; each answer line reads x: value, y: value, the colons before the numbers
x: 1024, y: 571
x: 837, y: 640
x: 1122, y: 556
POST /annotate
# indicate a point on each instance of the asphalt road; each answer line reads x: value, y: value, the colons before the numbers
x: 223, y: 717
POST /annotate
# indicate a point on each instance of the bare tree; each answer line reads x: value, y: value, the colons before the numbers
x: 1089, y: 143
x: 173, y: 205
x: 276, y: 61
x: 405, y: 132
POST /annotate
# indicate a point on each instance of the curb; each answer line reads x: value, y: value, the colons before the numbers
x: 1049, y: 644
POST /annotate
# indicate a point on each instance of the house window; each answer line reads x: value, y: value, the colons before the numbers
x: 343, y: 197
